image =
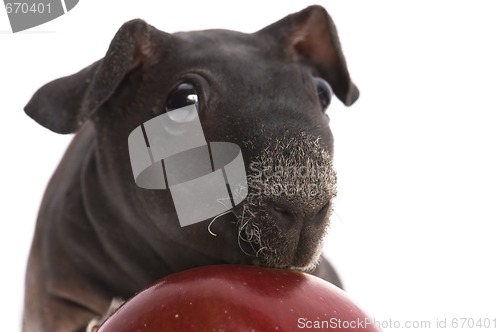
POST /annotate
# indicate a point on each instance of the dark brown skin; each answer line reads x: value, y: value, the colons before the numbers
x: 100, y: 236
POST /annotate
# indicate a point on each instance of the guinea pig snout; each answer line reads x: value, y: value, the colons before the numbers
x: 291, y: 184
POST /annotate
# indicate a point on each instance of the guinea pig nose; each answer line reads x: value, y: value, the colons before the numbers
x: 282, y: 213
x: 288, y: 215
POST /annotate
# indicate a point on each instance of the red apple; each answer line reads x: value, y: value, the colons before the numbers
x: 239, y: 298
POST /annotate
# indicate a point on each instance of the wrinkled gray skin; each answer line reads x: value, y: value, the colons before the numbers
x: 100, y: 236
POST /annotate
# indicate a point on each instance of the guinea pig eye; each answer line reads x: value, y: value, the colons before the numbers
x: 184, y: 94
x: 324, y: 91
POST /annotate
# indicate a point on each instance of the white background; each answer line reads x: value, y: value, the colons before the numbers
x: 415, y: 236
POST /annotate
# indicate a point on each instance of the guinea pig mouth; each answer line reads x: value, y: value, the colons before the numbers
x: 270, y: 246
x: 296, y: 169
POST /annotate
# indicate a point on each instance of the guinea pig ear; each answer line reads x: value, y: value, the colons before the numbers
x: 65, y: 104
x: 310, y: 37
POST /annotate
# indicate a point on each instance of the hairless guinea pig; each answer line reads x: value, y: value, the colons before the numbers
x: 105, y: 230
